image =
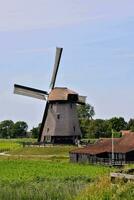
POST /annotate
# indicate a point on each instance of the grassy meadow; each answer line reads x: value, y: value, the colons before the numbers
x: 45, y: 173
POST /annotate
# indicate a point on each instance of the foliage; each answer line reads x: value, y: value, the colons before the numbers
x: 97, y: 128
x: 35, y: 131
x: 118, y: 124
x: 85, y: 111
x: 91, y: 128
x: 84, y: 125
x: 9, y: 129
x: 20, y: 129
x: 104, y: 190
x: 130, y: 125
x: 6, y: 129
x: 116, y: 134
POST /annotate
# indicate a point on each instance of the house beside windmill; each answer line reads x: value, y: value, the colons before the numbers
x: 101, y: 151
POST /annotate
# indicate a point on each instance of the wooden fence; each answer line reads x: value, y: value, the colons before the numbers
x: 106, y: 161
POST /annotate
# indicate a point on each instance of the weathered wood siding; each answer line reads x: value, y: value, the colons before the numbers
x: 73, y: 157
x: 62, y: 120
x: 97, y: 159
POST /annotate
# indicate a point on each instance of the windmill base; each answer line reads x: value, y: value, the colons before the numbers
x: 62, y: 139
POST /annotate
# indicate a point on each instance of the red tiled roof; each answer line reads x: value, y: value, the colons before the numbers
x: 125, y: 132
x: 121, y: 145
x: 125, y: 144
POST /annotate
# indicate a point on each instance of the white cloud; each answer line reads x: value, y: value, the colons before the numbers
x: 38, y: 14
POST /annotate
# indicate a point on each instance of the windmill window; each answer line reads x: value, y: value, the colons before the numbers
x: 71, y: 105
x: 47, y: 130
x: 51, y: 106
x: 74, y: 128
x: 58, y: 116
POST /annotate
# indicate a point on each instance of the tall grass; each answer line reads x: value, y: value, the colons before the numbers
x: 39, y: 179
x: 105, y: 190
x: 8, y: 145
x: 31, y: 169
x: 15, y: 146
x: 45, y: 190
x: 29, y: 179
x: 54, y: 150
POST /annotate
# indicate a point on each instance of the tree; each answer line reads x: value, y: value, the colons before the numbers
x: 6, y: 128
x: 20, y: 129
x: 118, y: 124
x: 130, y: 125
x: 35, y: 131
x: 99, y: 128
x: 85, y: 111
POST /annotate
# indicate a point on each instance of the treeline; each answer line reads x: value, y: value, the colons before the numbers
x: 19, y: 129
x: 103, y: 128
x: 96, y: 128
x: 91, y: 128
x: 9, y: 129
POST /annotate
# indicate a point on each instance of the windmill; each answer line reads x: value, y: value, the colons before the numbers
x: 60, y: 121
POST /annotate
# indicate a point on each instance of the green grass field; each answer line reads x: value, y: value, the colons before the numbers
x: 45, y: 173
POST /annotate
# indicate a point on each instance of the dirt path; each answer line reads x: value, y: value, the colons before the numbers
x: 39, y: 156
x: 4, y: 154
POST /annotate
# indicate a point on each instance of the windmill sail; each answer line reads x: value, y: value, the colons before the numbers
x: 56, y: 66
x: 30, y: 92
x: 60, y: 121
x: 43, y: 121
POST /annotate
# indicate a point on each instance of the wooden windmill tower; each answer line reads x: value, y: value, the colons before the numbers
x: 60, y: 121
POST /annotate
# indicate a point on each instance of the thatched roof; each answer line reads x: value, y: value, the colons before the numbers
x: 61, y: 94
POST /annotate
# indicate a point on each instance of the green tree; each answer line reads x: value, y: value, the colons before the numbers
x: 118, y: 124
x: 130, y: 125
x: 85, y: 111
x: 20, y: 129
x: 35, y: 131
x: 6, y: 128
x: 85, y: 114
x: 99, y: 128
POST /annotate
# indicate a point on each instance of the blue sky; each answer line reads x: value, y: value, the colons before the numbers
x: 97, y: 60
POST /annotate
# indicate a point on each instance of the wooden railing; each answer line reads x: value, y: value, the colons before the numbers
x: 106, y: 161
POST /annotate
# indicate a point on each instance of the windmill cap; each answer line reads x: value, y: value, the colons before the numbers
x: 62, y: 94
